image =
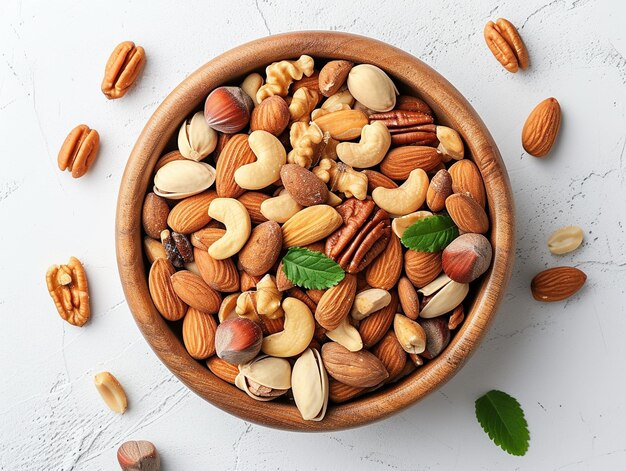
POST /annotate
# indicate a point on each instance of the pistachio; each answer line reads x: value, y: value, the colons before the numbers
x: 347, y: 335
x: 264, y: 378
x: 309, y: 384
x: 445, y: 300
x: 565, y: 240
x: 196, y: 139
x: 182, y: 178
x: 372, y: 87
x: 435, y: 285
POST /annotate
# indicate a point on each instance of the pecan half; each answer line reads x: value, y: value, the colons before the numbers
x: 122, y: 69
x: 68, y: 287
x: 402, y: 118
x: 411, y: 103
x: 409, y: 127
x: 364, y: 235
x: 177, y: 247
x: 79, y: 150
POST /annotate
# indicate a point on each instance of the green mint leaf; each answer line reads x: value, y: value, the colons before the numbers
x: 431, y: 234
x: 502, y: 418
x: 311, y: 270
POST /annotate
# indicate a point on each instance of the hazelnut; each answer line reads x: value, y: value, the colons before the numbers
x: 467, y: 257
x: 238, y: 340
x: 138, y: 455
x: 227, y: 109
x: 272, y: 115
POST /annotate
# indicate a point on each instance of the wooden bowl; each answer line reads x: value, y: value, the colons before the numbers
x: 412, y: 75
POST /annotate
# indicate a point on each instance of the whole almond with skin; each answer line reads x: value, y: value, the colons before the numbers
x: 123, y: 67
x: 221, y: 275
x: 302, y: 296
x: 339, y: 392
x: 303, y: 185
x: 191, y: 214
x: 199, y: 334
x: 235, y: 154
x: 542, y: 128
x: 222, y: 140
x: 376, y: 325
x: 466, y: 178
x: 192, y: 289
x: 385, y: 270
x: 557, y: 284
x: 408, y: 298
x: 252, y: 201
x: 79, y: 150
x: 336, y: 303
x: 376, y: 179
x: 467, y: 214
x: 167, y: 158
x: 282, y: 282
x: 390, y: 353
x: 400, y: 161
x: 222, y: 369
x: 439, y: 189
x: 311, y: 82
x: 333, y: 75
x: 247, y: 281
x: 506, y: 44
x: 154, y: 215
x: 360, y: 369
x: 315, y: 294
x: 262, y: 249
x: 422, y: 267
x: 466, y: 258
x: 271, y: 115
x: 162, y: 291
x: 310, y: 225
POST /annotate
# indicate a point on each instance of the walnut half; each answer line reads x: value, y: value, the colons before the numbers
x: 68, y: 287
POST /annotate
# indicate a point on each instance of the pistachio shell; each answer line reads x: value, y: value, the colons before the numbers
x: 268, y: 371
x: 182, y: 178
x: 309, y: 384
x: 346, y: 335
x: 372, y: 87
x: 446, y: 299
x: 196, y: 139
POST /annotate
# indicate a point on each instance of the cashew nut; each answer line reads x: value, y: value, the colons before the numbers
x: 371, y: 149
x: 406, y: 198
x: 270, y: 155
x: 347, y: 335
x: 251, y: 85
x: 298, y: 332
x: 401, y: 224
x: 369, y: 301
x: 280, y: 208
x: 235, y: 217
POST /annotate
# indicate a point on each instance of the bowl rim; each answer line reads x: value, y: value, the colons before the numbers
x: 450, y: 107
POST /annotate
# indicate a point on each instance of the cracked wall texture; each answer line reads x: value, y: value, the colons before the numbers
x: 562, y: 361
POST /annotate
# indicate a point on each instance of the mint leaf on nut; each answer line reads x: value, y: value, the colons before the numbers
x: 311, y: 270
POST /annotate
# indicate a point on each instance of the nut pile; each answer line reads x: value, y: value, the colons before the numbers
x: 319, y: 257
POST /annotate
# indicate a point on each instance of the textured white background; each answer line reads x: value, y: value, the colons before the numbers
x: 564, y: 362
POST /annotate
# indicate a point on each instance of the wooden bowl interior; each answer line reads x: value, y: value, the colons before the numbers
x: 412, y: 76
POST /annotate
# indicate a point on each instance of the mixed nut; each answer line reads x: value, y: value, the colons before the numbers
x: 306, y: 232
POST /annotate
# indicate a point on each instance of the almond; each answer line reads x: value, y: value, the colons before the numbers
x: 439, y: 189
x: 191, y: 214
x: 247, y: 281
x: 167, y: 158
x: 467, y: 214
x: 466, y: 178
x: 271, y: 115
x: 199, y: 334
x: 339, y: 392
x: 311, y: 82
x: 303, y: 186
x: 302, y: 296
x: 457, y: 317
x: 336, y: 302
x: 252, y: 201
x: 376, y: 179
x: 377, y: 324
x: 282, y: 282
x: 343, y: 125
x: 360, y: 369
x: 542, y: 128
x: 192, y: 289
x: 390, y: 353
x: 385, y: 270
x: 422, y: 267
x: 399, y: 162
x: 262, y: 249
x: 333, y: 76
x: 163, y: 295
x: 221, y: 275
x: 235, y: 154
x: 154, y: 215
x: 408, y: 298
x: 557, y: 284
x: 310, y: 225
x: 222, y: 369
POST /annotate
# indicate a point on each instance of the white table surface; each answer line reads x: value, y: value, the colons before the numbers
x: 563, y: 361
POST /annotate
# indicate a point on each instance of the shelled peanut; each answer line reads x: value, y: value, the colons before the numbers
x: 324, y: 241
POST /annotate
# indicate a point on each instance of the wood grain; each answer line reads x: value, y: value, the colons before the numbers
x: 413, y: 76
